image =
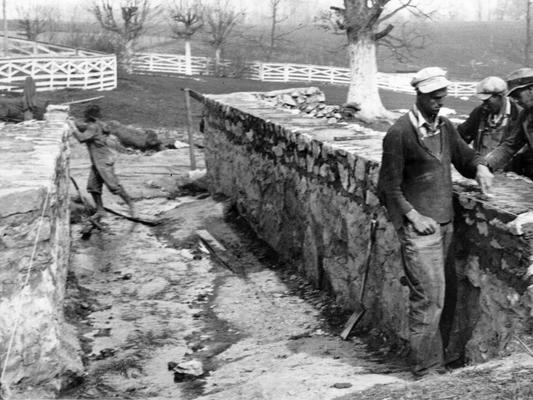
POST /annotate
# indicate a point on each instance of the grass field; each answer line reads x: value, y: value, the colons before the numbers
x: 156, y: 101
x: 467, y: 50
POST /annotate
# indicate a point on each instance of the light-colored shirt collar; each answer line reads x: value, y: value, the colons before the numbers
x: 503, y: 114
x: 423, y: 126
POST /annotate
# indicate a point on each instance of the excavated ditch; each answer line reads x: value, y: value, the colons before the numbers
x: 144, y: 297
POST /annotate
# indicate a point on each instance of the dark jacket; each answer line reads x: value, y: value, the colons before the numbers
x: 412, y: 177
x: 469, y: 129
x: 521, y: 134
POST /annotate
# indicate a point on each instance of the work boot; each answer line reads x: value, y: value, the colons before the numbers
x: 99, y: 214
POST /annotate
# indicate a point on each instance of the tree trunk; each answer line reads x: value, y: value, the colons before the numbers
x: 188, y: 62
x: 272, y: 32
x: 364, y: 84
x: 527, y: 45
x: 127, y: 57
x: 218, y: 51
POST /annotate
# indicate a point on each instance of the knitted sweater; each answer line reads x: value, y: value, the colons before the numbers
x: 411, y: 176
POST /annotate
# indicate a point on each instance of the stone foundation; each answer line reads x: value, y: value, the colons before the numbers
x: 312, y: 197
x: 34, y: 255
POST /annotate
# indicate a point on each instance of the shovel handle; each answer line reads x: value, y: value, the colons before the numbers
x: 370, y: 246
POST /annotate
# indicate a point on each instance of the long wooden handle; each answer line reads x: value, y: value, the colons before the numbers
x: 369, y: 248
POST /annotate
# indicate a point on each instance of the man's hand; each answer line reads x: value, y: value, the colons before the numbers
x: 72, y: 123
x: 484, y: 178
x: 422, y: 224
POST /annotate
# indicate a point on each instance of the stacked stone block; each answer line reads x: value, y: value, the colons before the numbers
x: 34, y: 256
x: 312, y: 199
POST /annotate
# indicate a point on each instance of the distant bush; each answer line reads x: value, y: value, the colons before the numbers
x: 97, y: 41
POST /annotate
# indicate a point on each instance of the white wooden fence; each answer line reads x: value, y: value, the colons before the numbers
x: 56, y: 67
x: 173, y: 64
x: 277, y: 72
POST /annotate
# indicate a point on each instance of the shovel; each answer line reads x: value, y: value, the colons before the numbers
x: 359, y: 306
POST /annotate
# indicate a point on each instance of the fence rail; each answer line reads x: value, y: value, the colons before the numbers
x: 56, y: 67
x: 277, y: 72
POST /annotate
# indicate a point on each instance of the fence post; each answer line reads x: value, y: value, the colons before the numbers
x: 286, y: 73
x: 69, y: 72
x: 189, y: 129
x: 86, y: 73
x: 52, y: 65
x: 261, y: 72
x: 150, y: 62
x: 102, y: 69
x: 10, y: 74
x: 332, y: 75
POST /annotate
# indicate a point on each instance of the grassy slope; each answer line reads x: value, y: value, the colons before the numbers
x: 152, y: 102
x: 506, y: 379
x: 486, y: 48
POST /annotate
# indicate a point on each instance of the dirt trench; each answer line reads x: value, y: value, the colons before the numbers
x: 160, y: 318
x: 145, y: 297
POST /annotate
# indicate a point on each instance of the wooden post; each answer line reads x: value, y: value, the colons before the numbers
x: 189, y: 129
x: 5, y: 28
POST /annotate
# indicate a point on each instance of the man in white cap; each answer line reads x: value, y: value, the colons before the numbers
x: 492, y: 121
x: 415, y: 186
x: 520, y: 84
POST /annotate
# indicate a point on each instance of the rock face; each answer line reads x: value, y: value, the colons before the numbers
x: 34, y: 254
x: 133, y: 137
x: 312, y: 200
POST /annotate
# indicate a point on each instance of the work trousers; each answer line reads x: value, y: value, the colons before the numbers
x: 103, y: 174
x: 425, y: 258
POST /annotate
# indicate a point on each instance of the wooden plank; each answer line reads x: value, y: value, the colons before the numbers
x: 207, y: 237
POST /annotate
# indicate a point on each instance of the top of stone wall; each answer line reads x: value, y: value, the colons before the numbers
x: 28, y: 153
x: 511, y: 196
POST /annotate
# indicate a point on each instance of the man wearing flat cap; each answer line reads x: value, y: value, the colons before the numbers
x: 520, y: 83
x: 415, y: 186
x: 492, y: 121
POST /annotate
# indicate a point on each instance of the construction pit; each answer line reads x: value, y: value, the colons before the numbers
x: 243, y: 288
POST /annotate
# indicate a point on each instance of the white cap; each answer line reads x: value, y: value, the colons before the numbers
x: 429, y: 79
x: 490, y: 86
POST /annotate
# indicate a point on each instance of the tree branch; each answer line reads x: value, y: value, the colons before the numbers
x: 383, y: 32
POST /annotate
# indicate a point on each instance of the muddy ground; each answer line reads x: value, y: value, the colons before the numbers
x: 243, y: 325
x: 160, y: 317
x: 144, y: 298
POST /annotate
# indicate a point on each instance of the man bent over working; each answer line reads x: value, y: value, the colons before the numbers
x: 94, y: 133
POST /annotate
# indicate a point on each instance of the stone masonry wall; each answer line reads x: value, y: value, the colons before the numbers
x: 34, y: 174
x: 312, y: 198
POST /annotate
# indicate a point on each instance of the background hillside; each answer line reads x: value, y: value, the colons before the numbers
x: 468, y: 50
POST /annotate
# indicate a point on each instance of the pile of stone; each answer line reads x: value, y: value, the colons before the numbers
x: 310, y: 100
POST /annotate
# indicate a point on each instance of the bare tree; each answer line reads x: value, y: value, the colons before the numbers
x: 35, y: 20
x: 187, y: 19
x: 275, y: 20
x: 527, y: 44
x: 518, y: 49
x: 363, y: 20
x: 221, y: 19
x: 133, y: 14
x: 278, y: 36
x: 401, y: 43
